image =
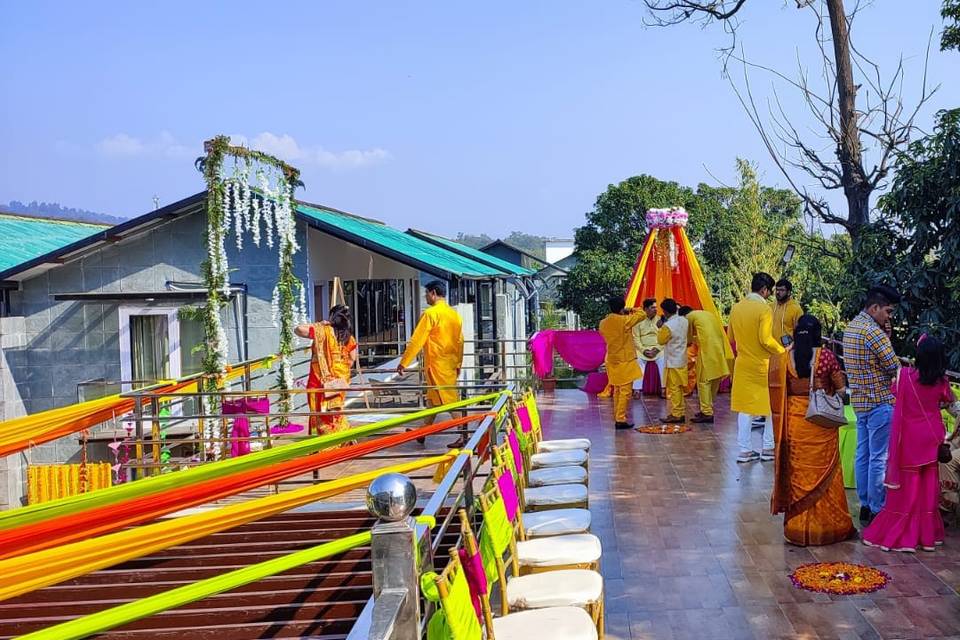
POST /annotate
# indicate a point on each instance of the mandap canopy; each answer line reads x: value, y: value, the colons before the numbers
x: 667, y: 266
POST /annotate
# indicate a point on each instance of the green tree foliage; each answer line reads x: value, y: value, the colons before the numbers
x: 918, y: 244
x: 475, y: 241
x: 530, y: 243
x: 950, y: 38
x: 750, y: 227
x: 736, y: 231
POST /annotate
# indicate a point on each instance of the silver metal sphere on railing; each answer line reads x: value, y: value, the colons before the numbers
x: 391, y: 497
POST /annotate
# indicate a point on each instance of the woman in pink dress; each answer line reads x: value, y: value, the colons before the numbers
x: 910, y: 517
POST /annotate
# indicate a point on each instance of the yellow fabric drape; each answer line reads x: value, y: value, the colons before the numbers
x: 26, y: 573
x: 21, y: 433
x: 46, y: 482
x: 699, y: 282
x: 634, y: 289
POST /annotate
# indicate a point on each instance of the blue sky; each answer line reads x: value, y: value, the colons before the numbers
x: 446, y: 116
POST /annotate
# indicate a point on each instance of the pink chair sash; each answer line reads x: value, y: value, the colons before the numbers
x: 508, y: 489
x: 524, y: 414
x: 515, y: 450
x: 476, y: 579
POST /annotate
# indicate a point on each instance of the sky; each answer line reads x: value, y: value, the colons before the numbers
x: 447, y: 116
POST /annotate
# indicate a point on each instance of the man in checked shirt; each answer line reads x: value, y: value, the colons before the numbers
x: 871, y: 366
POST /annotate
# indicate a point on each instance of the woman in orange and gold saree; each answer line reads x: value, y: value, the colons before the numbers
x: 808, y: 481
x: 334, y: 351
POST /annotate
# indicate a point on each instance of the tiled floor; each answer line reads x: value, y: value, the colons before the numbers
x: 690, y: 549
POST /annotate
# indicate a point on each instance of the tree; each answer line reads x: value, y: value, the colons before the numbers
x: 880, y: 118
x: 950, y: 38
x: 475, y: 241
x: 530, y: 243
x: 921, y: 216
x: 736, y: 231
x: 747, y: 233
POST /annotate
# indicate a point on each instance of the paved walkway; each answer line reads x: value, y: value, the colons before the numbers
x: 690, y: 549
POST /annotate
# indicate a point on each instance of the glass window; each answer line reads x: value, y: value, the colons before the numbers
x: 191, y: 346
x: 149, y: 349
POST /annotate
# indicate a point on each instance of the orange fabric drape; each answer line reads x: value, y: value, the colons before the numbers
x: 655, y: 277
x: 98, y: 520
x: 27, y: 431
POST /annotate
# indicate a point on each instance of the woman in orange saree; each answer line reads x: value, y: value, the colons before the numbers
x: 808, y: 481
x: 334, y: 351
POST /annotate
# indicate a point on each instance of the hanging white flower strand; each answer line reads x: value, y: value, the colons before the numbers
x: 234, y: 201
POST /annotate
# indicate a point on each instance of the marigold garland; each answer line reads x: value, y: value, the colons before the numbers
x: 840, y: 578
x: 663, y: 429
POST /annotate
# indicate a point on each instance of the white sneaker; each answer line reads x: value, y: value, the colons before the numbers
x: 748, y: 456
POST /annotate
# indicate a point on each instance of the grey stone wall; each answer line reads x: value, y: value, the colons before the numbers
x: 11, y: 406
x: 50, y: 347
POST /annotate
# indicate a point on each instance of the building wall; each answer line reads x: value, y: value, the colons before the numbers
x: 65, y: 343
x: 330, y: 257
x: 557, y: 250
x: 11, y: 406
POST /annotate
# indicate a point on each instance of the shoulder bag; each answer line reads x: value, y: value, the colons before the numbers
x: 824, y: 409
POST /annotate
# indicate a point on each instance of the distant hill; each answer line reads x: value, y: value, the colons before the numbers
x: 529, y: 243
x: 56, y: 210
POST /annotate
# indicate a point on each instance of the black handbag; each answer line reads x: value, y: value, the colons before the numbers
x: 944, y: 454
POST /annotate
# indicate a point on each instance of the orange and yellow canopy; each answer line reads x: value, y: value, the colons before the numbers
x: 668, y: 268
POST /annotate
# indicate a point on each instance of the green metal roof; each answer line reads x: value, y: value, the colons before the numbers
x: 23, y: 238
x: 474, y: 254
x: 396, y: 244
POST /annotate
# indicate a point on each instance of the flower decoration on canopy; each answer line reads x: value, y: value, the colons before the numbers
x: 667, y: 218
x: 839, y: 578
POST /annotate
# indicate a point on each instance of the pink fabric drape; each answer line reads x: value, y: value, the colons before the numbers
x: 476, y: 579
x: 583, y: 350
x: 240, y: 430
x: 596, y: 382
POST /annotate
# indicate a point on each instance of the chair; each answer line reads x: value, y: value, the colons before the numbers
x: 533, y: 555
x: 546, y: 446
x: 561, y: 474
x: 538, y: 498
x: 554, y: 623
x: 563, y: 588
x: 527, y: 418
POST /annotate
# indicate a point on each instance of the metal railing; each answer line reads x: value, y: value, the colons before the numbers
x: 383, y: 617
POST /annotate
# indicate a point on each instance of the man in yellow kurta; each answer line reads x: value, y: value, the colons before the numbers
x: 439, y: 334
x: 750, y: 329
x: 672, y: 335
x: 649, y: 352
x: 786, y: 312
x: 713, y: 358
x: 621, y: 358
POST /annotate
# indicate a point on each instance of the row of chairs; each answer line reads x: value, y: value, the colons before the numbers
x: 535, y: 547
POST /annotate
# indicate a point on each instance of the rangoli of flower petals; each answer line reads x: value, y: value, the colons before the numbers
x: 840, y: 578
x: 663, y: 429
